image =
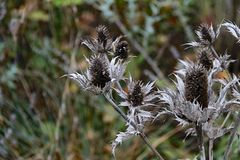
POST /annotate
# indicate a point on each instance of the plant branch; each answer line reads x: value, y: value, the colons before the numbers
x: 142, y: 135
x: 210, y: 149
x: 214, y: 52
x: 200, y: 141
x: 225, y: 120
x: 230, y: 141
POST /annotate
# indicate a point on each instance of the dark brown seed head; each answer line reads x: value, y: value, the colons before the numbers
x: 196, y: 85
x: 121, y: 50
x: 136, y: 95
x: 99, y: 72
x: 102, y: 35
x: 205, y: 58
x: 205, y: 32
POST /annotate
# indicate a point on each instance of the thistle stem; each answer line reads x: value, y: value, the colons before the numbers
x: 225, y: 120
x: 210, y: 149
x: 214, y: 52
x: 119, y: 86
x: 142, y: 135
x: 230, y: 141
x: 200, y: 141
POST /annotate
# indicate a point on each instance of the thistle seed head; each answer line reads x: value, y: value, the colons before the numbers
x: 206, y: 34
x: 101, y: 43
x: 102, y: 35
x: 136, y: 96
x: 98, y: 70
x: 196, y: 85
x: 121, y: 50
x: 205, y: 58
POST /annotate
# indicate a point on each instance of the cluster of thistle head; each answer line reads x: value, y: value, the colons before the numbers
x: 105, y: 75
x: 193, y: 102
x: 103, y: 72
x: 107, y: 67
x: 196, y: 101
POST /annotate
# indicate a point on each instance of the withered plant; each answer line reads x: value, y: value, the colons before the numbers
x: 195, y: 102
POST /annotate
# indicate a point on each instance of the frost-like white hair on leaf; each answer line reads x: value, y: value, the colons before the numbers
x: 115, y: 69
x: 136, y: 114
x: 206, y: 36
x: 101, y: 43
x: 233, y: 29
x: 223, y: 62
x: 146, y: 91
x: 214, y: 132
x: 187, y: 113
x: 121, y: 137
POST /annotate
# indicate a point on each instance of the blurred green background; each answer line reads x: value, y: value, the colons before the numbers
x: 44, y: 117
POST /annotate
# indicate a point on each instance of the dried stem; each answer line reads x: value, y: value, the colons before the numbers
x: 119, y: 86
x: 214, y: 52
x: 142, y: 135
x: 200, y: 141
x: 210, y: 149
x: 225, y: 120
x: 230, y: 141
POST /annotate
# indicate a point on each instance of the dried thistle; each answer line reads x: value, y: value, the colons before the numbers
x: 196, y: 85
x: 138, y: 97
x: 103, y: 36
x: 120, y: 50
x: 206, y: 36
x: 101, y: 43
x: 99, y: 72
x: 224, y: 61
x: 233, y: 29
x: 205, y: 58
x: 195, y: 101
x: 100, y: 75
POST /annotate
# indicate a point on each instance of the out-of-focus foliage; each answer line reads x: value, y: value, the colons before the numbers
x: 43, y: 116
x: 62, y: 3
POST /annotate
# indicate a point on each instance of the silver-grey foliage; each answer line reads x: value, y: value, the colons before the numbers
x: 206, y: 36
x: 187, y: 113
x: 115, y: 69
x: 199, y: 111
x: 137, y: 112
x: 106, y: 69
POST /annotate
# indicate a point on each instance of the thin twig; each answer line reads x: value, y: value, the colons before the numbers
x: 230, y: 141
x: 210, y: 149
x: 214, y: 52
x: 119, y: 86
x: 150, y: 75
x: 142, y: 135
x: 146, y: 140
x: 62, y: 110
x: 225, y: 120
x: 162, y: 139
